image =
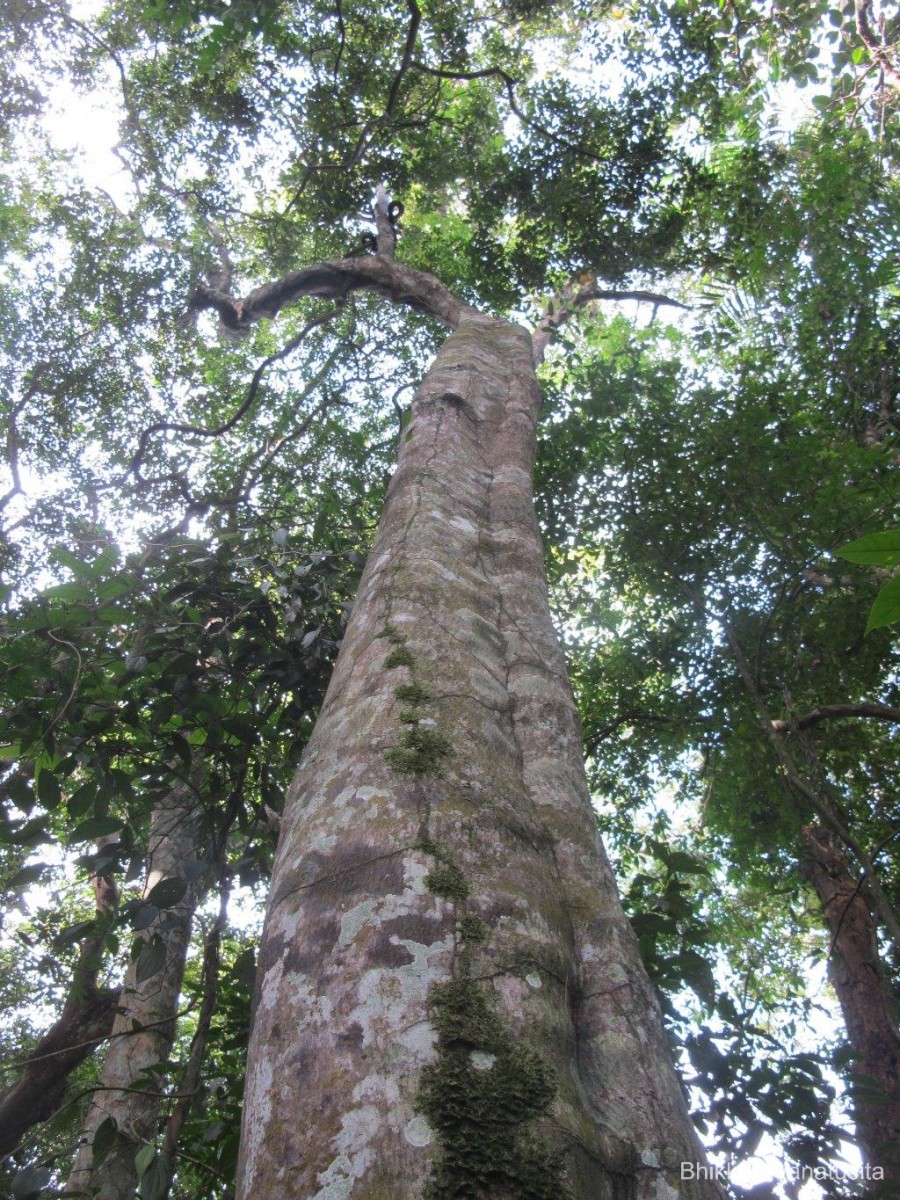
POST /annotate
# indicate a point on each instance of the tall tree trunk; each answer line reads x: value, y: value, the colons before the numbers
x: 869, y: 1011
x: 144, y: 1028
x: 451, y: 1001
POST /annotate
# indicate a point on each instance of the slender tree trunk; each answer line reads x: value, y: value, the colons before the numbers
x: 85, y: 1021
x: 451, y: 1002
x: 869, y: 1011
x: 128, y: 1091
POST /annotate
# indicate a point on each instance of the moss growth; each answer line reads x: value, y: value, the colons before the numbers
x: 446, y: 879
x: 427, y: 845
x: 398, y: 657
x: 412, y: 693
x: 461, y: 1014
x: 472, y: 930
x: 391, y: 634
x: 420, y: 752
x: 480, y: 1112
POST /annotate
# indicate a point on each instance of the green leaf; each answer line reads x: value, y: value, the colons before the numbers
x: 114, y: 588
x: 880, y: 549
x: 95, y: 827
x: 82, y: 800
x: 144, y: 916
x: 143, y: 1159
x: 104, y: 1140
x: 155, y: 1180
x: 31, y: 833
x: 29, y: 1182
x: 74, y: 933
x: 166, y: 893
x: 66, y: 558
x: 28, y: 875
x: 886, y: 609
x: 151, y: 960
x: 48, y: 789
x: 69, y: 593
x: 685, y: 864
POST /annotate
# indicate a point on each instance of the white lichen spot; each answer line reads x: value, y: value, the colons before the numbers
x: 323, y: 843
x: 481, y: 1060
x: 416, y: 868
x: 650, y: 1158
x: 420, y: 954
x: 379, y: 1087
x: 533, y: 979
x: 258, y: 1106
x: 418, y: 1040
x: 384, y: 994
x: 359, y: 1128
x: 464, y: 524
x: 418, y: 1132
x: 269, y: 996
x: 354, y: 920
x: 336, y: 1180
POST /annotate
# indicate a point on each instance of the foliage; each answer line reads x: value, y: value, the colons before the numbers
x: 879, y: 550
x: 183, y: 517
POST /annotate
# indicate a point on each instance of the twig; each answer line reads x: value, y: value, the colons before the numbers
x: 578, y: 292
x: 199, y: 431
x: 406, y: 61
x: 74, y: 688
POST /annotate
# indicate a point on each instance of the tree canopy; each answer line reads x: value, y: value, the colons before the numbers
x: 697, y: 207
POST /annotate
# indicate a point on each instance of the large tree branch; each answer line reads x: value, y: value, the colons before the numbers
x: 334, y: 280
x: 830, y: 712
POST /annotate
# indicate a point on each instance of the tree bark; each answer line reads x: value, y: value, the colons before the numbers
x: 144, y: 1028
x: 869, y: 1014
x: 451, y: 1001
x: 85, y: 1021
